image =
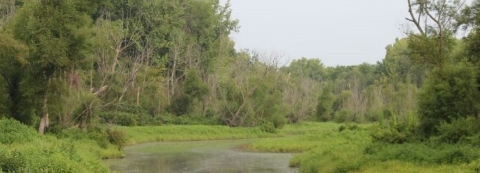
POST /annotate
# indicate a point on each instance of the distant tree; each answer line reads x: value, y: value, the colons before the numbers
x: 325, y: 103
x: 303, y: 67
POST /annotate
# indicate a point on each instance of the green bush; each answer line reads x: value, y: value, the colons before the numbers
x: 119, y: 118
x: 99, y: 135
x: 341, y: 116
x: 11, y: 162
x: 267, y: 126
x: 422, y: 153
x: 394, y: 134
x: 23, y: 150
x: 12, y: 131
x: 117, y: 137
x: 278, y: 121
x: 459, y: 130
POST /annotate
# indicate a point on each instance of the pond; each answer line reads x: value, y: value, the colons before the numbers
x: 199, y: 157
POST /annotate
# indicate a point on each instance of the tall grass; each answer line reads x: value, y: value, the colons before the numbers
x: 144, y: 134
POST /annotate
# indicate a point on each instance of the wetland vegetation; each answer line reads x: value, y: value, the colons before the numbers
x: 82, y: 79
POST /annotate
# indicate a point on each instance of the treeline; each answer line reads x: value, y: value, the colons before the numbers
x: 76, y: 63
x: 80, y: 63
x: 367, y: 92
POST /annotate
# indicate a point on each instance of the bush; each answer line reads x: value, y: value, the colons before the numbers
x: 278, y: 121
x: 459, y: 130
x: 117, y: 137
x: 394, y: 134
x: 11, y: 162
x: 12, y: 131
x: 341, y: 116
x: 22, y: 150
x: 267, y: 126
x: 422, y: 153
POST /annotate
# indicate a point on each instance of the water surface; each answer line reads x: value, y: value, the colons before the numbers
x: 198, y: 157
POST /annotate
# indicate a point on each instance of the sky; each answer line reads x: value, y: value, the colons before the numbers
x: 338, y: 32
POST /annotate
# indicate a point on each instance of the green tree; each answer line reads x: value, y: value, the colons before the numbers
x: 325, y: 103
x: 450, y: 93
x: 447, y: 94
x: 57, y: 34
x: 193, y: 90
x: 312, y: 68
x: 12, y: 58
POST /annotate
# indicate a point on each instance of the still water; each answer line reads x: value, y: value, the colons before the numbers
x: 198, y: 157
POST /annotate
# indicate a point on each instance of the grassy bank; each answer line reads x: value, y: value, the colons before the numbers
x: 330, y: 147
x: 144, y: 134
x: 75, y: 150
x: 320, y: 147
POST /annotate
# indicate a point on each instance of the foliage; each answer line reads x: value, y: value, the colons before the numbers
x: 325, y: 103
x: 267, y: 126
x: 117, y: 137
x: 166, y: 62
x: 30, y: 152
x: 309, y: 68
x: 450, y: 93
x: 462, y: 130
x: 394, y: 134
x: 142, y: 134
x: 12, y: 131
x: 424, y: 153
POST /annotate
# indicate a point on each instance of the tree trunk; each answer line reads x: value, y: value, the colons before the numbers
x: 44, y: 122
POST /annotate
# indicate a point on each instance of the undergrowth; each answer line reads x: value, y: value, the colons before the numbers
x: 22, y: 150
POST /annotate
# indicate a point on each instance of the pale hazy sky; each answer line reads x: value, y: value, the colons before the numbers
x: 339, y: 32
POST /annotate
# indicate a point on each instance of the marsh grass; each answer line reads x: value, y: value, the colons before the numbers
x: 320, y: 147
x: 145, y: 134
x: 337, y: 148
x: 307, y: 136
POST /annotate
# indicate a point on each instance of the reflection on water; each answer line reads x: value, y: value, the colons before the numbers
x: 198, y: 157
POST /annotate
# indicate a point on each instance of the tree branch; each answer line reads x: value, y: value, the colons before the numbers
x: 413, y: 19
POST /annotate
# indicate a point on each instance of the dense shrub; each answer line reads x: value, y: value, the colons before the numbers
x: 342, y: 115
x: 23, y: 150
x: 11, y: 161
x: 278, y: 121
x: 459, y: 130
x: 117, y: 137
x: 267, y: 126
x: 423, y: 153
x: 394, y: 133
x: 12, y: 131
